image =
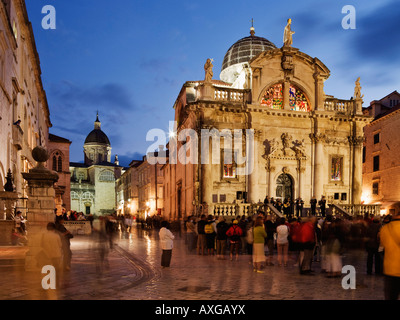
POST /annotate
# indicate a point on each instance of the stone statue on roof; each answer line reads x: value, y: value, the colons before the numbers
x: 357, y: 90
x: 208, y: 68
x: 288, y: 34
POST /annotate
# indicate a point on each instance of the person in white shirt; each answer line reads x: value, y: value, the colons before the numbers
x: 282, y: 242
x: 166, y: 239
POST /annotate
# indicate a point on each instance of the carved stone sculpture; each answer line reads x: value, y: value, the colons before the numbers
x: 288, y: 34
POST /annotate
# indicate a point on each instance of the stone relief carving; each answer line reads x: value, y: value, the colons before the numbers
x: 286, y: 148
x: 356, y: 141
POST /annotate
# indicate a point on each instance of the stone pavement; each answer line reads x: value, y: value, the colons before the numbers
x: 131, y: 271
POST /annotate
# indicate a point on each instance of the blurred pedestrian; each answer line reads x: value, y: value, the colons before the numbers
x: 201, y: 235
x: 258, y: 245
x: 191, y: 234
x: 66, y: 237
x: 322, y: 206
x: 282, y: 241
x: 52, y: 246
x: 222, y: 238
x: 332, y: 247
x: 166, y: 239
x: 210, y: 231
x: 234, y: 233
x: 313, y: 203
x: 390, y: 241
x: 270, y: 229
x: 307, y: 244
x: 372, y: 246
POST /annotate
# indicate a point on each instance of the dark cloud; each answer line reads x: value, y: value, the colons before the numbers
x: 78, y: 102
x: 376, y: 39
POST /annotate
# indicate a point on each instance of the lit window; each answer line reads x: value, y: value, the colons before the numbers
x: 229, y: 171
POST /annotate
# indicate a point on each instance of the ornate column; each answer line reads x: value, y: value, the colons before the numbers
x: 41, y: 205
x: 300, y: 172
x: 270, y: 169
x: 253, y: 148
x: 318, y: 139
x: 206, y: 182
x: 357, y: 143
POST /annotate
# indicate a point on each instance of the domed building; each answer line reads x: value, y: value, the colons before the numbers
x: 283, y: 136
x: 93, y: 181
x: 235, y: 67
x: 97, y: 146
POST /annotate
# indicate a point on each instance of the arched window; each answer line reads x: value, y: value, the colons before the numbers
x: 273, y: 98
x: 74, y: 195
x: 107, y: 176
x: 57, y: 162
x: 87, y: 196
x: 298, y: 100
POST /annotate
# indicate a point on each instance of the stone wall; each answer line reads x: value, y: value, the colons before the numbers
x: 6, y: 227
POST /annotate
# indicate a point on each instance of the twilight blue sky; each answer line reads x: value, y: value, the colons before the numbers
x: 128, y: 59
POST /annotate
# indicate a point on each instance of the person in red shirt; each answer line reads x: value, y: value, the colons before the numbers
x: 307, y: 244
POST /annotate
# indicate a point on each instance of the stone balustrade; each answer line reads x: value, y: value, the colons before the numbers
x: 337, y: 105
x: 224, y: 94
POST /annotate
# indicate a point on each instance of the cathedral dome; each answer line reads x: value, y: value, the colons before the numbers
x: 97, y: 136
x: 241, y: 52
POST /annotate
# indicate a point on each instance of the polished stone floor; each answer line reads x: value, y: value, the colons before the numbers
x: 131, y: 271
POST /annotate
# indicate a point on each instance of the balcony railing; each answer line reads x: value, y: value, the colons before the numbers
x: 232, y: 95
x: 337, y: 105
x: 240, y: 209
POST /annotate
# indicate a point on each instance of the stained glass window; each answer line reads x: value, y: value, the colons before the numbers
x: 229, y: 171
x: 273, y: 97
x: 336, y: 168
x: 297, y: 100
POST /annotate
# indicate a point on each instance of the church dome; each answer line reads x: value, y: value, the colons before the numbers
x: 245, y: 49
x: 235, y: 67
x: 97, y: 136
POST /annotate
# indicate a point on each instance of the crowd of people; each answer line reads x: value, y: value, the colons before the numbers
x: 266, y: 237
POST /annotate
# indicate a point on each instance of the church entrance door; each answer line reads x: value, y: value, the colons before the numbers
x: 284, y: 187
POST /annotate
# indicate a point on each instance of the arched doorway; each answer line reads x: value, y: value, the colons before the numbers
x: 284, y: 187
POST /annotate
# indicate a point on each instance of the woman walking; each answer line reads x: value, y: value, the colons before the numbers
x: 166, y: 238
x: 282, y: 242
x: 258, y: 245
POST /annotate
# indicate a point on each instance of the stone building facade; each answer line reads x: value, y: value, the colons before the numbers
x: 24, y: 112
x: 381, y: 154
x: 140, y: 189
x: 59, y: 162
x: 93, y: 181
x: 285, y: 137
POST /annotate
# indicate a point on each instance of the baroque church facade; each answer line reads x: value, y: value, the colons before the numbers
x: 93, y: 181
x: 304, y: 143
